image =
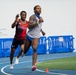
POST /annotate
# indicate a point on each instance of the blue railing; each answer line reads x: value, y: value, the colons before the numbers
x: 57, y: 44
x: 50, y: 44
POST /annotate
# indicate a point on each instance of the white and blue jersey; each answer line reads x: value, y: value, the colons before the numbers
x: 35, y: 32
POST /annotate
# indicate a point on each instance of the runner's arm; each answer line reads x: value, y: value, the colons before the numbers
x: 43, y: 33
x: 15, y: 22
x: 31, y: 24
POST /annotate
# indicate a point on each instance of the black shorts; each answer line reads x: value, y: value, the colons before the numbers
x: 16, y: 42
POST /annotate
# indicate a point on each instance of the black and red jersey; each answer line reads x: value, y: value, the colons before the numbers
x: 21, y: 29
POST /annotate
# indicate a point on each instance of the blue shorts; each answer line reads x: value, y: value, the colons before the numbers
x: 29, y: 38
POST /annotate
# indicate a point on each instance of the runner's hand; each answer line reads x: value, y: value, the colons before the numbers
x: 17, y: 16
x: 40, y: 20
x: 43, y: 33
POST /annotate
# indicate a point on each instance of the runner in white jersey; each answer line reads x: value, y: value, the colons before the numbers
x: 33, y: 35
x: 35, y: 31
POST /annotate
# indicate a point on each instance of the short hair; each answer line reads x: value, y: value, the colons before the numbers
x: 36, y: 6
x: 23, y: 12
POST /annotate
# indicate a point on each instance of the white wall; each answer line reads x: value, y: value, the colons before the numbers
x: 59, y: 16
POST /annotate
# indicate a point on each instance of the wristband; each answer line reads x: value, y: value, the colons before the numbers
x: 37, y: 22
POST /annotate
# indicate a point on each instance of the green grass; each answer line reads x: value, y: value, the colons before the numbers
x: 60, y: 64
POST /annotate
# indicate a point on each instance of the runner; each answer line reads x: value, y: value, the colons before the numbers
x: 20, y: 34
x: 33, y: 35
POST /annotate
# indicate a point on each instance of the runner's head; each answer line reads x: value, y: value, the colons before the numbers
x: 37, y: 9
x: 23, y: 15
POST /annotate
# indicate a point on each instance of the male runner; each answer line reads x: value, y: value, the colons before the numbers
x: 33, y: 35
x: 20, y: 34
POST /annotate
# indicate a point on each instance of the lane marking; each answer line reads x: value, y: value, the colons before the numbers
x: 2, y: 70
x: 50, y: 72
x: 3, y: 62
x: 41, y: 62
x: 31, y: 60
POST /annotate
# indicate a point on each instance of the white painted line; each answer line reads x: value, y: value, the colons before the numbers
x: 26, y: 60
x: 2, y: 69
x: 4, y: 62
x: 50, y: 72
x: 41, y: 62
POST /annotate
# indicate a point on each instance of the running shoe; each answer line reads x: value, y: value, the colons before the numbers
x: 34, y: 68
x: 11, y: 66
x: 17, y: 60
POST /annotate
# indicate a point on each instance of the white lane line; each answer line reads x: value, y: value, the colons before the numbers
x: 43, y: 60
x: 31, y: 60
x: 4, y: 62
x: 2, y: 69
x: 50, y: 72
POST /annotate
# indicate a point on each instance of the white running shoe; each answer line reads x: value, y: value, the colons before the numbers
x: 11, y: 66
x: 17, y: 60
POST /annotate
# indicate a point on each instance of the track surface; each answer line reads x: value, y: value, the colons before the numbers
x: 24, y: 66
